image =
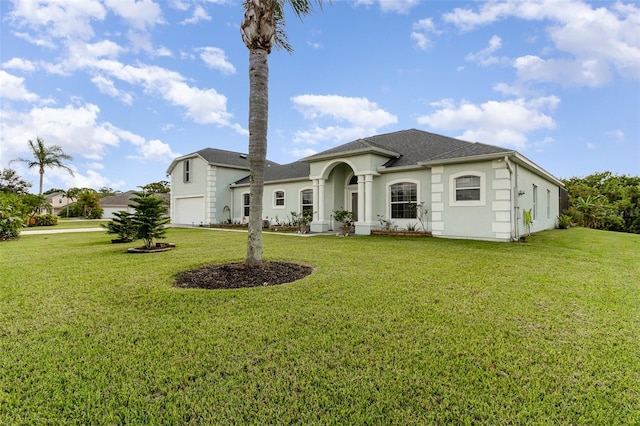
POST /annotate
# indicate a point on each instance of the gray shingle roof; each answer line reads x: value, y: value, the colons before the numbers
x: 227, y: 158
x: 297, y: 170
x: 404, y: 148
x: 123, y: 199
x: 410, y: 147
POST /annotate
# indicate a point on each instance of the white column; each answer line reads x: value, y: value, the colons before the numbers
x: 315, y: 197
x: 320, y: 205
x: 368, y: 191
x: 361, y: 198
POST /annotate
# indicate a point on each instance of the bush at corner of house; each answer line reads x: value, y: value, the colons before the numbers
x: 565, y: 221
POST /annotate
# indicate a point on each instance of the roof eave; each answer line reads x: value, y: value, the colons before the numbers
x: 469, y: 159
x: 351, y: 153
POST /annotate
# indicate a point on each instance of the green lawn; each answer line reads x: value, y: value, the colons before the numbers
x: 386, y: 331
x: 72, y: 223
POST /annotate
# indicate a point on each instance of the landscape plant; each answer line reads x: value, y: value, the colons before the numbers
x: 376, y: 335
x: 121, y: 225
x: 345, y: 217
x: 150, y: 217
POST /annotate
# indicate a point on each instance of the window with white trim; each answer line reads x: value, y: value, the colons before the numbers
x: 402, y: 196
x: 186, y: 171
x: 468, y: 188
x: 245, y: 204
x: 306, y: 200
x: 278, y: 198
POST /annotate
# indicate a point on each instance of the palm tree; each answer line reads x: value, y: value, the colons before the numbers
x: 263, y: 28
x: 45, y: 156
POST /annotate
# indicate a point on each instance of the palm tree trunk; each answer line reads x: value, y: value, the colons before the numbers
x: 258, y: 120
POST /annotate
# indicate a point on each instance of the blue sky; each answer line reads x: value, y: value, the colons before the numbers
x: 125, y: 86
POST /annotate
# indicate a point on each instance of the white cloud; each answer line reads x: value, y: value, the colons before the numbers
x: 106, y: 86
x: 617, y: 135
x: 13, y: 88
x: 20, y: 64
x: 215, y: 58
x: 199, y: 14
x: 156, y: 151
x: 363, y: 118
x: 61, y: 18
x: 596, y: 40
x: 485, y: 57
x: 421, y: 31
x: 504, y: 123
x: 357, y: 111
x: 141, y: 14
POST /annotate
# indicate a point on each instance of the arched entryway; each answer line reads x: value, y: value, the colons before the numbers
x: 340, y: 186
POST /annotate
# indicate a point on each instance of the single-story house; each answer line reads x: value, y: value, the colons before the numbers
x: 469, y: 190
x: 120, y: 202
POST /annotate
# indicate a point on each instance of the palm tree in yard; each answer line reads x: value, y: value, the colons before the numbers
x: 45, y: 157
x: 262, y: 29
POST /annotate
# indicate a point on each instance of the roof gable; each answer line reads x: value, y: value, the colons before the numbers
x: 411, y: 147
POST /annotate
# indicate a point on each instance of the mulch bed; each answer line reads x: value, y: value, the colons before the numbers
x: 239, y: 275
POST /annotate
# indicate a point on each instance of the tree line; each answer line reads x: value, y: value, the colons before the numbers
x: 605, y: 201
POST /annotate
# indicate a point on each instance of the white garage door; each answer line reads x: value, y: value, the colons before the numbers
x: 189, y: 211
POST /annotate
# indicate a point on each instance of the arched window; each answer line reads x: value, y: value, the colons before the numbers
x: 467, y: 189
x: 403, y: 196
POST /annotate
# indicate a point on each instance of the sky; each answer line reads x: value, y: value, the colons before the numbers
x: 125, y: 86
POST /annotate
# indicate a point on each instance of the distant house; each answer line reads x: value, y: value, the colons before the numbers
x: 470, y: 190
x: 58, y: 201
x: 120, y: 202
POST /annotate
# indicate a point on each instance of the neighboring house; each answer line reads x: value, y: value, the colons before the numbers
x: 58, y: 201
x: 471, y: 190
x: 120, y: 202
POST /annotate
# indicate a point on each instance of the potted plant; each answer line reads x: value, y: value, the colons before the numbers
x: 345, y: 217
x: 302, y: 220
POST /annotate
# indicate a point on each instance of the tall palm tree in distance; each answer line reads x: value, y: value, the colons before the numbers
x: 262, y: 29
x: 45, y: 157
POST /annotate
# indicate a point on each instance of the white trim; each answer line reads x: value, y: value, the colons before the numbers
x: 483, y: 189
x: 388, y: 196
x: 284, y: 199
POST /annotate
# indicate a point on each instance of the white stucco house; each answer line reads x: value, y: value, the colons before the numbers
x: 471, y: 190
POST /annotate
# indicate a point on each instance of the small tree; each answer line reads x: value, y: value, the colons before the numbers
x: 150, y: 217
x: 122, y: 226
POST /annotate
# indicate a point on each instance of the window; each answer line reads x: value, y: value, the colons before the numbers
x: 245, y: 205
x: 187, y: 171
x: 306, y: 200
x: 468, y: 188
x: 402, y: 195
x: 534, y: 210
x: 548, y: 204
x: 278, y: 198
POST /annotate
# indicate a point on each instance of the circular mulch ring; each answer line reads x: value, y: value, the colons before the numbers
x: 240, y: 275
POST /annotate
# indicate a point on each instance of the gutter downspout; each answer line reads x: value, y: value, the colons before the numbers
x: 514, y: 196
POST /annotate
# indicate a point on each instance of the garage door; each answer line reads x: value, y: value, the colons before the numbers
x: 189, y: 211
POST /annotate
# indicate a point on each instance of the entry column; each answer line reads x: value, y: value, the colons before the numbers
x: 319, y: 201
x: 368, y: 197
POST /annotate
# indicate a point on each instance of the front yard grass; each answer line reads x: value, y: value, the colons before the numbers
x: 386, y: 331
